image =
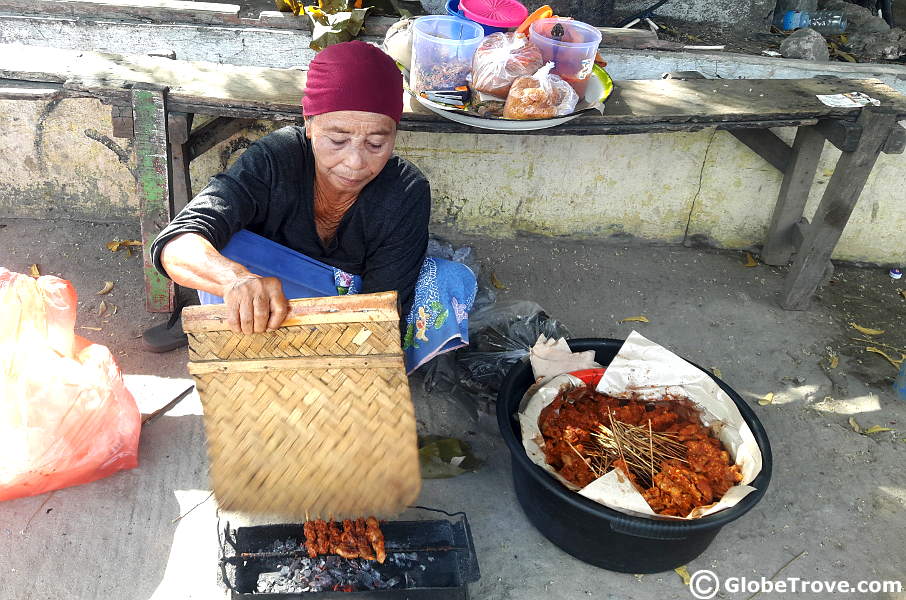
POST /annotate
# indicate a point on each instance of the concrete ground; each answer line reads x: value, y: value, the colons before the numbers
x: 834, y: 508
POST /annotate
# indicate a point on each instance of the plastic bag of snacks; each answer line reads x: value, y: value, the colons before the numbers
x: 500, y: 59
x: 540, y: 96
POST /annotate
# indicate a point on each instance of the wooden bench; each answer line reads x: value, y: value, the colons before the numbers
x: 154, y: 99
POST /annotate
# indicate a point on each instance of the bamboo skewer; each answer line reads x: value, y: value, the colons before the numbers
x: 639, y: 447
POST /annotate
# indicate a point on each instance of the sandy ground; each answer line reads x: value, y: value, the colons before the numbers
x: 834, y: 507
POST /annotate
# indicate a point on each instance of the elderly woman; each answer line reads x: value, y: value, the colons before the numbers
x: 329, y: 199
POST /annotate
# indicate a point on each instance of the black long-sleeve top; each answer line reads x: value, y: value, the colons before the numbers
x: 269, y: 190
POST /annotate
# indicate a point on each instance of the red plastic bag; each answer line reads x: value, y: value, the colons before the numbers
x: 66, y: 416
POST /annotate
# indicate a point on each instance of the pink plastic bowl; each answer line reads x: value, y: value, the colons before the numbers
x: 497, y: 13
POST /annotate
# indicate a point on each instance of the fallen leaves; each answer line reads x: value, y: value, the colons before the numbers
x: 767, y: 399
x: 684, y: 573
x: 873, y: 429
x: 750, y: 260
x: 115, y: 245
x: 90, y: 328
x: 896, y: 363
x: 638, y: 319
x: 876, y: 429
x: 865, y: 330
x: 903, y: 293
x: 108, y: 287
x: 34, y: 271
x: 716, y: 372
x: 833, y: 362
x: 106, y: 309
x: 497, y: 283
x: 102, y: 308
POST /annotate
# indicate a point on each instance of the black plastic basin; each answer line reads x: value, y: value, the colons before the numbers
x: 594, y: 533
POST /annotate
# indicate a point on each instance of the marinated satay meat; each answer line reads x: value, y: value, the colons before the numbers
x: 311, y: 538
x: 374, y: 535
x: 695, y: 469
x: 355, y: 539
x: 361, y: 538
x: 345, y: 545
x: 712, y: 462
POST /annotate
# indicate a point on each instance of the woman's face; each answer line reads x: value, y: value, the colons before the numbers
x: 350, y: 147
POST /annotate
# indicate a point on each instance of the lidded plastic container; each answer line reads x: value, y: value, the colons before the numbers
x: 570, y: 45
x: 442, y: 50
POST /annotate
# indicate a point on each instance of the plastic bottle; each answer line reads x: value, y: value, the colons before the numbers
x: 822, y: 21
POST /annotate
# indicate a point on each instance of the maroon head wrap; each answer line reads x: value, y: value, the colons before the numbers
x: 353, y: 76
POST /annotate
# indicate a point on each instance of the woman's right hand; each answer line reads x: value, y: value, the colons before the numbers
x: 256, y: 304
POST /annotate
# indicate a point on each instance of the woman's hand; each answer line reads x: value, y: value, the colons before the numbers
x: 256, y: 304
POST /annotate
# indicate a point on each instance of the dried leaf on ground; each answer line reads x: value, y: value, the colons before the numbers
x: 34, y: 271
x: 496, y: 282
x: 716, y: 372
x: 873, y: 429
x: 865, y: 330
x: 114, y: 309
x: 90, y: 328
x: 833, y: 361
x: 750, y: 260
x: 903, y: 293
x: 876, y: 429
x: 896, y: 363
x: 115, y: 245
x: 768, y: 399
x: 684, y: 573
x: 108, y: 286
x: 102, y: 308
x: 638, y: 319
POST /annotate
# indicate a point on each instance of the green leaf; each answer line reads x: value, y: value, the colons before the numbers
x: 445, y: 457
x: 441, y: 319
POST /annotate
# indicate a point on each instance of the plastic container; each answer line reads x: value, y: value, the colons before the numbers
x: 594, y: 533
x: 454, y: 11
x: 310, y: 278
x: 826, y: 22
x: 896, y: 273
x: 573, y: 54
x: 442, y: 50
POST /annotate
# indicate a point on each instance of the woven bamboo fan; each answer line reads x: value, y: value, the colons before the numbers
x: 313, y: 420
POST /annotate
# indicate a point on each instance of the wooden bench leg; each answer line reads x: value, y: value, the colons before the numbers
x: 797, y: 181
x: 179, y: 126
x: 840, y: 197
x: 152, y: 179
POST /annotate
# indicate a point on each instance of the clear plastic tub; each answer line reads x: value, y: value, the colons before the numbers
x: 442, y: 50
x: 572, y: 50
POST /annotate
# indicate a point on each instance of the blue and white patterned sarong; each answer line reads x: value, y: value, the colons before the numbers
x: 444, y: 292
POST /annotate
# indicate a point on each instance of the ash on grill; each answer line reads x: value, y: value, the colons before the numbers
x: 333, y: 573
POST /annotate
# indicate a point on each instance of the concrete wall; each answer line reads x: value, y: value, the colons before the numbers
x: 60, y: 159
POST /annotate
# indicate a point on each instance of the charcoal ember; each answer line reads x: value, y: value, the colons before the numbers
x: 331, y: 572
